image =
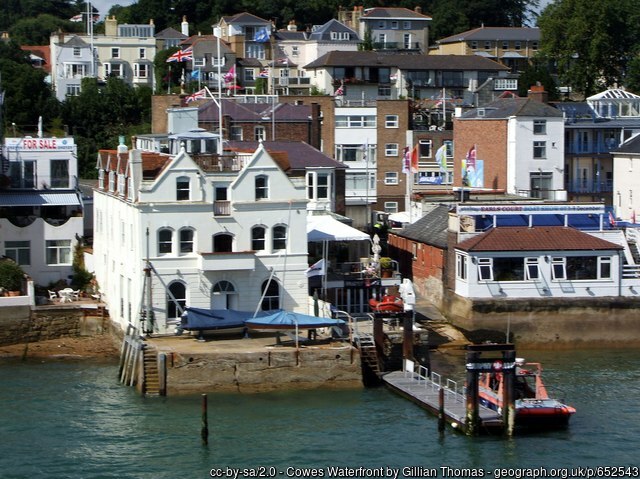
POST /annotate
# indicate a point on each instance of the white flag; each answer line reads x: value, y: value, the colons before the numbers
x: 316, y: 269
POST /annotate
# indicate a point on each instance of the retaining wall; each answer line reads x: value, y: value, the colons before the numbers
x: 21, y: 324
x: 551, y: 323
x: 263, y: 371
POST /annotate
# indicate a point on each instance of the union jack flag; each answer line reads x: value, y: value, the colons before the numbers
x: 199, y: 95
x: 181, y: 56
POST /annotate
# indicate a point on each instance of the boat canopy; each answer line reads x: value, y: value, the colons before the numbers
x: 198, y: 319
x: 290, y: 320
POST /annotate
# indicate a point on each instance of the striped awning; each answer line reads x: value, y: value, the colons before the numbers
x: 44, y: 198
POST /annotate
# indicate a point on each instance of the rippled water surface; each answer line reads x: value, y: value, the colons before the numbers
x: 74, y: 420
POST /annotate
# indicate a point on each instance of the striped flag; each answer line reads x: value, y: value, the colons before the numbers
x: 199, y: 95
x: 181, y: 56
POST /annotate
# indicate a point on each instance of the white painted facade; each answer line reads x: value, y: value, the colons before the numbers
x: 626, y: 188
x: 41, y: 215
x: 545, y: 285
x: 131, y: 226
x: 524, y: 143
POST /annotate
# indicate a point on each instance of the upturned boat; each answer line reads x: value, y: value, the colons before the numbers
x: 387, y: 303
x: 534, y: 407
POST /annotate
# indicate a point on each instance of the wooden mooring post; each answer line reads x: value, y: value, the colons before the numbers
x: 505, y: 365
x: 204, y: 431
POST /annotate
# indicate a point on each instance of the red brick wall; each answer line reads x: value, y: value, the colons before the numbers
x: 490, y: 138
x: 388, y: 163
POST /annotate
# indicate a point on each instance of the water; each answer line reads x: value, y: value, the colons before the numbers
x: 74, y: 420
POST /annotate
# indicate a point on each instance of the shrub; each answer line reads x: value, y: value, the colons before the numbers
x: 11, y: 275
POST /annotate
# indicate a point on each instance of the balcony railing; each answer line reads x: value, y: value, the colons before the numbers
x: 221, y: 208
x: 585, y: 186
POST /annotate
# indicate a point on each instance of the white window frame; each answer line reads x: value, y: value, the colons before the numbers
x: 115, y: 52
x: 58, y: 248
x: 18, y: 251
x: 391, y: 149
x: 260, y: 242
x: 142, y: 53
x: 539, y: 127
x: 461, y: 266
x: 183, y: 241
x: 279, y: 233
x: 406, y: 24
x: 141, y: 70
x: 561, y: 263
x: 181, y: 189
x: 260, y: 133
x: 485, y: 265
x: 602, y: 260
x: 161, y: 242
x: 395, y: 24
x: 531, y: 269
x: 539, y: 150
x: 391, y: 121
x: 262, y: 191
x: 390, y: 206
x: 391, y: 178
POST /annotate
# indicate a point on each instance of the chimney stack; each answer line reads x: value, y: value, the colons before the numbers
x: 184, y: 26
x: 537, y: 93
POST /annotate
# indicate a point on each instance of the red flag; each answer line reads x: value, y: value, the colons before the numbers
x: 612, y: 220
x: 414, y: 159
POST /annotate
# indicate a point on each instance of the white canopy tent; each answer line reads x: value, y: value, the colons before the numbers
x: 327, y: 228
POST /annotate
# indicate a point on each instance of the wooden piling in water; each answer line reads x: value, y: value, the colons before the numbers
x: 204, y: 432
x: 441, y: 417
x: 471, y: 421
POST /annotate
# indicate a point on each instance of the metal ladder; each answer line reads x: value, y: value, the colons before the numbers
x: 368, y: 352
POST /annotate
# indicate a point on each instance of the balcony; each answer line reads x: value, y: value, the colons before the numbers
x: 231, y: 261
x: 585, y: 186
x: 222, y: 208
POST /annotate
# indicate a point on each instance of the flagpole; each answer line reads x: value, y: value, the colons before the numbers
x: 219, y: 90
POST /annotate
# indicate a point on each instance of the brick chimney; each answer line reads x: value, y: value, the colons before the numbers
x: 537, y: 93
x: 418, y: 9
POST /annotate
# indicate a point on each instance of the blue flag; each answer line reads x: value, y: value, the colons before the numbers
x: 262, y: 35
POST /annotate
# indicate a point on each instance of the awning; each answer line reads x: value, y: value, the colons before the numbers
x: 484, y: 54
x: 512, y: 55
x: 48, y: 198
x: 326, y: 228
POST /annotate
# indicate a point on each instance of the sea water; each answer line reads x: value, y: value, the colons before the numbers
x: 63, y: 419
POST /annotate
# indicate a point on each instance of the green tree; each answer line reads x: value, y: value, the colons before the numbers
x: 590, y: 41
x: 27, y: 95
x: 37, y: 31
x: 538, y: 72
x: 98, y: 116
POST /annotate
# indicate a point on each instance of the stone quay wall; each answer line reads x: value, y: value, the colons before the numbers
x: 21, y: 324
x: 551, y: 323
x: 252, y: 371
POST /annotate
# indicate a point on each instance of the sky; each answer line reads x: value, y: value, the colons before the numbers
x: 103, y: 6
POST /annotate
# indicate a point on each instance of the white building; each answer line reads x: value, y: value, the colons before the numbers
x: 520, y: 142
x: 218, y: 232
x: 41, y: 213
x: 124, y: 51
x: 626, y: 173
x: 536, y: 250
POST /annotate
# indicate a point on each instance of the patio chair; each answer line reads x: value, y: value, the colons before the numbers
x: 53, y: 296
x: 75, y: 295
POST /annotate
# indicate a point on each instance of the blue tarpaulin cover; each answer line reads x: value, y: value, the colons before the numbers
x: 198, y: 319
x: 291, y: 320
